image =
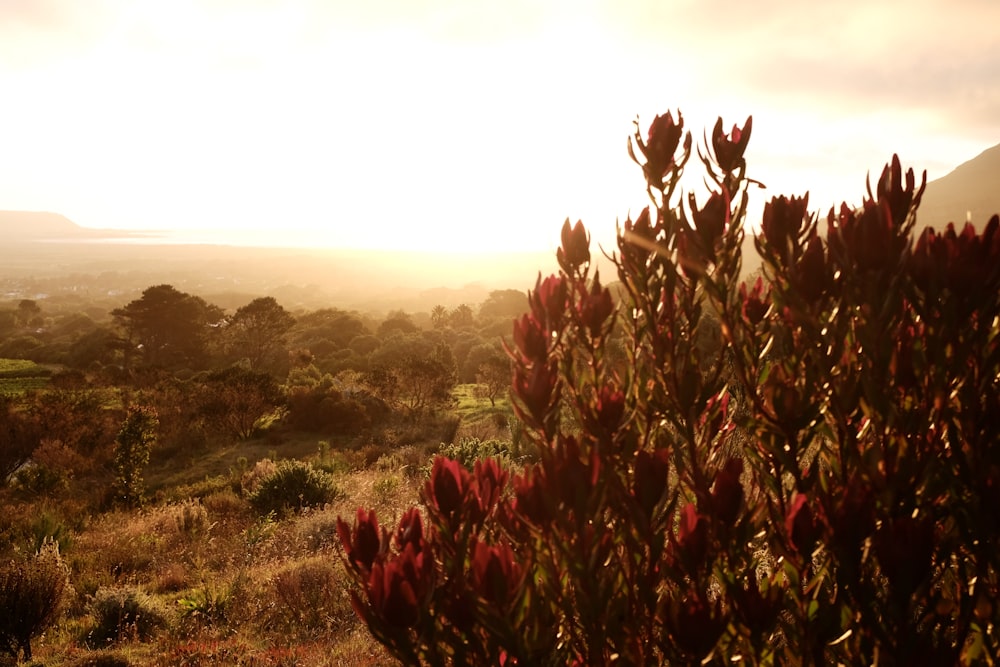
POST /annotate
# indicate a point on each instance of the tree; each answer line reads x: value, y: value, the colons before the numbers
x: 28, y: 313
x: 439, y: 317
x: 462, y: 317
x: 132, y: 448
x: 19, y: 435
x: 411, y: 372
x: 257, y: 331
x: 168, y: 327
x: 493, y: 378
x: 397, y: 322
x: 233, y: 400
x: 504, y: 304
x: 839, y: 507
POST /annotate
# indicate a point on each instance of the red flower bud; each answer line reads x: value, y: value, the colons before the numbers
x: 892, y: 192
x: 489, y: 479
x: 692, y: 538
x: 393, y: 588
x: 801, y: 526
x: 756, y: 303
x: 662, y: 141
x: 548, y: 302
x: 495, y: 575
x: 575, y: 250
x: 711, y: 221
x: 530, y: 338
x: 596, y: 307
x: 365, y: 543
x: 729, y: 149
x: 536, y: 387
x: 649, y: 484
x: 811, y: 278
x: 447, y: 489
x: 781, y: 224
x: 727, y: 492
x: 410, y: 531
x: 530, y: 498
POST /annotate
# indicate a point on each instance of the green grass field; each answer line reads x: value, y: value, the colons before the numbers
x: 20, y: 375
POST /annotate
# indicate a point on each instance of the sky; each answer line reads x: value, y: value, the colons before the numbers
x: 464, y: 125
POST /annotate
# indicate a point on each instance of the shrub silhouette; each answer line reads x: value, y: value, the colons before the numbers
x: 823, y: 491
x: 33, y: 593
x: 294, y: 485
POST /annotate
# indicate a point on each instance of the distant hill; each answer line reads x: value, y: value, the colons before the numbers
x: 972, y: 188
x: 44, y: 226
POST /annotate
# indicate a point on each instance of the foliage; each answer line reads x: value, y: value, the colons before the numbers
x: 126, y: 613
x: 329, y: 407
x: 169, y: 328
x: 233, y: 400
x: 821, y: 489
x: 256, y: 332
x: 469, y: 450
x: 33, y: 593
x: 18, y: 437
x: 294, y: 485
x: 132, y: 447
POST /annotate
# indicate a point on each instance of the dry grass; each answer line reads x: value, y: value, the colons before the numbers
x: 240, y: 590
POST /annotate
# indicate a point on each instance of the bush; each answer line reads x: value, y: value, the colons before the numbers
x: 312, y: 594
x: 294, y: 485
x: 126, y: 613
x: 821, y: 488
x: 33, y: 593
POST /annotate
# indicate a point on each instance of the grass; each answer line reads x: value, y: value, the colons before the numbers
x: 18, y: 376
x: 240, y: 589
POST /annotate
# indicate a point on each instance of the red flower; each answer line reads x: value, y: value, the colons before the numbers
x: 489, y: 479
x: 393, y: 588
x: 575, y: 249
x: 692, y: 538
x: 495, y: 574
x: 811, y: 276
x: 365, y: 543
x: 729, y: 149
x: 536, y: 387
x: 662, y: 141
x: 548, y: 302
x: 801, y: 526
x: 650, y: 479
x: 756, y: 303
x: 596, y: 307
x: 727, y: 492
x: 711, y: 220
x: 410, y: 531
x: 448, y: 488
x: 530, y: 338
x: 530, y: 498
x: 781, y: 224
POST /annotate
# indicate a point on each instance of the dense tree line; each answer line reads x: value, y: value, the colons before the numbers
x: 210, y: 374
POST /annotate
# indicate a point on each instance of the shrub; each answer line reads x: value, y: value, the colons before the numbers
x: 312, y: 594
x: 33, y: 593
x: 469, y: 450
x: 294, y: 485
x: 821, y: 488
x: 126, y: 613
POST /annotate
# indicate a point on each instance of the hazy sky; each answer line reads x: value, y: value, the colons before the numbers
x: 464, y: 123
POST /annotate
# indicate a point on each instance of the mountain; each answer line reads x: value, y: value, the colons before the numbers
x: 43, y: 226
x: 971, y: 191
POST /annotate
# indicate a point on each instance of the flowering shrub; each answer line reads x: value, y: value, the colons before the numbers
x: 821, y: 487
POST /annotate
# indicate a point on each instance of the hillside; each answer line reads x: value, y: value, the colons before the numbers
x: 41, y: 225
x: 971, y: 189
